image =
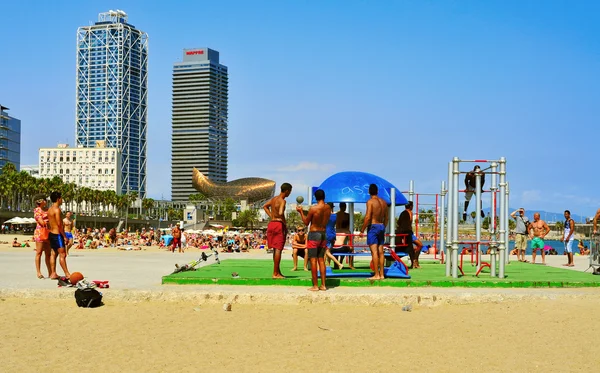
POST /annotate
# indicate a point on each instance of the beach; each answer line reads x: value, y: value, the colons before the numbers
x: 148, y: 327
x: 539, y: 335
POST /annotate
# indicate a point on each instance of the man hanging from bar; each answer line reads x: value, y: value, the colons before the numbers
x: 470, y: 188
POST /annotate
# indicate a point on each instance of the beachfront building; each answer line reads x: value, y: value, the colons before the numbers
x: 199, y: 120
x: 112, y: 82
x: 32, y: 170
x: 10, y: 139
x: 95, y: 168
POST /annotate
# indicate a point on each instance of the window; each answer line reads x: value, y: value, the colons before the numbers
x: 99, y: 171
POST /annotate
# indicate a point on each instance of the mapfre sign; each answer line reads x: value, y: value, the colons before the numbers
x: 190, y: 53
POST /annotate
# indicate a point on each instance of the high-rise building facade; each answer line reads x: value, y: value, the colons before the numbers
x: 112, y: 85
x: 10, y: 139
x: 199, y: 120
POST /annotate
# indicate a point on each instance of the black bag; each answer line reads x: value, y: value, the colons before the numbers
x: 88, y: 298
x: 596, y: 271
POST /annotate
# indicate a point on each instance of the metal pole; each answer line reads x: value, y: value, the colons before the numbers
x: 478, y: 219
x: 418, y: 216
x: 448, y: 215
x: 309, y: 197
x: 411, y: 190
x: 392, y: 219
x: 351, y: 223
x: 505, y: 216
x: 436, y: 227
x: 502, y: 231
x: 455, y: 175
x: 441, y: 209
x: 493, y: 236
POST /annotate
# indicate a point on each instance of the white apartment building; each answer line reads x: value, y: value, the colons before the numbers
x: 95, y: 168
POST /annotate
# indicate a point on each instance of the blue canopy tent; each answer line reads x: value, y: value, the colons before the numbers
x: 353, y: 187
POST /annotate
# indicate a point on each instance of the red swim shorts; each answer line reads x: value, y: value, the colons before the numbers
x: 176, y: 242
x: 276, y: 235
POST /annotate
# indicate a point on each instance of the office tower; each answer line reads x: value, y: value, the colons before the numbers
x: 112, y: 91
x: 10, y: 139
x: 199, y: 120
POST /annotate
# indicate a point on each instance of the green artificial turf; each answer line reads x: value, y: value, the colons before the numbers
x: 432, y: 273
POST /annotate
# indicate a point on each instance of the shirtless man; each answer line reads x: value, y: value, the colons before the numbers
x: 376, y: 219
x: 176, y: 238
x: 470, y: 188
x: 68, y: 224
x: 596, y: 218
x: 276, y: 230
x: 537, y: 231
x: 317, y: 217
x: 299, y: 243
x: 57, y: 236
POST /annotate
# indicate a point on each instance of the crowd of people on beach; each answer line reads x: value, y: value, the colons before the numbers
x: 329, y: 234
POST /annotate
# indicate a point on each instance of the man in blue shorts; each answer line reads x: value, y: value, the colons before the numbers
x: 57, y: 236
x: 68, y: 224
x: 376, y: 218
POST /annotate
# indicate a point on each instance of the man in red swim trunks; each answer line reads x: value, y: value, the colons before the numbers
x: 276, y: 230
x: 176, y: 238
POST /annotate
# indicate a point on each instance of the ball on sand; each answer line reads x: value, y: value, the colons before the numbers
x: 299, y: 199
x: 76, y: 277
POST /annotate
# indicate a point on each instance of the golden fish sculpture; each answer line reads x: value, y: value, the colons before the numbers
x: 249, y: 188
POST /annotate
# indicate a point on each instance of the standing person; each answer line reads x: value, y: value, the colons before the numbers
x: 537, y: 231
x: 596, y: 218
x: 376, y: 218
x: 276, y: 230
x: 470, y: 188
x: 57, y: 236
x: 299, y: 243
x: 69, y: 224
x: 317, y: 217
x: 342, y: 225
x: 183, y: 240
x: 521, y: 231
x: 176, y: 238
x: 568, y: 238
x: 331, y: 237
x: 404, y: 226
x: 41, y: 244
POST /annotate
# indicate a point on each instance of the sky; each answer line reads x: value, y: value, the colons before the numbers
x: 394, y: 88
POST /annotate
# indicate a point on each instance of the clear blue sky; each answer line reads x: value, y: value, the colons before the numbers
x: 395, y: 88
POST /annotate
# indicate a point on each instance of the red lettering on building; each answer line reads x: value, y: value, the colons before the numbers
x: 194, y: 52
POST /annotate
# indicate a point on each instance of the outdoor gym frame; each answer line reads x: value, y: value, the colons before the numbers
x: 499, y: 238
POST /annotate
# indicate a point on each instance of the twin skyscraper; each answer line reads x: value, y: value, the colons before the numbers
x: 112, y: 105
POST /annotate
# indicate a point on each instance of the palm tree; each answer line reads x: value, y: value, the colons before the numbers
x: 147, y: 204
x: 131, y: 197
x: 249, y: 217
x: 559, y: 225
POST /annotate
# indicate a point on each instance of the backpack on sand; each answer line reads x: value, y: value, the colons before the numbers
x: 88, y: 298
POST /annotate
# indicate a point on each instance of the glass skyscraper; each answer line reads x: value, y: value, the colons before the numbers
x: 112, y: 93
x: 199, y: 120
x: 10, y: 139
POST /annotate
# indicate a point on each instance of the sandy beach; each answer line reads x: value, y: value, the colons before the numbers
x: 184, y: 328
x: 541, y: 335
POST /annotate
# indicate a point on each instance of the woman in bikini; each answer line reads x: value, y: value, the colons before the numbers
x: 40, y: 214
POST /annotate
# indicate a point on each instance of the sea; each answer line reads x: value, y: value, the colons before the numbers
x: 555, y: 244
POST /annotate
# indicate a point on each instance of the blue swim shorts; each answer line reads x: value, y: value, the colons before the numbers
x: 69, y: 235
x: 376, y: 234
